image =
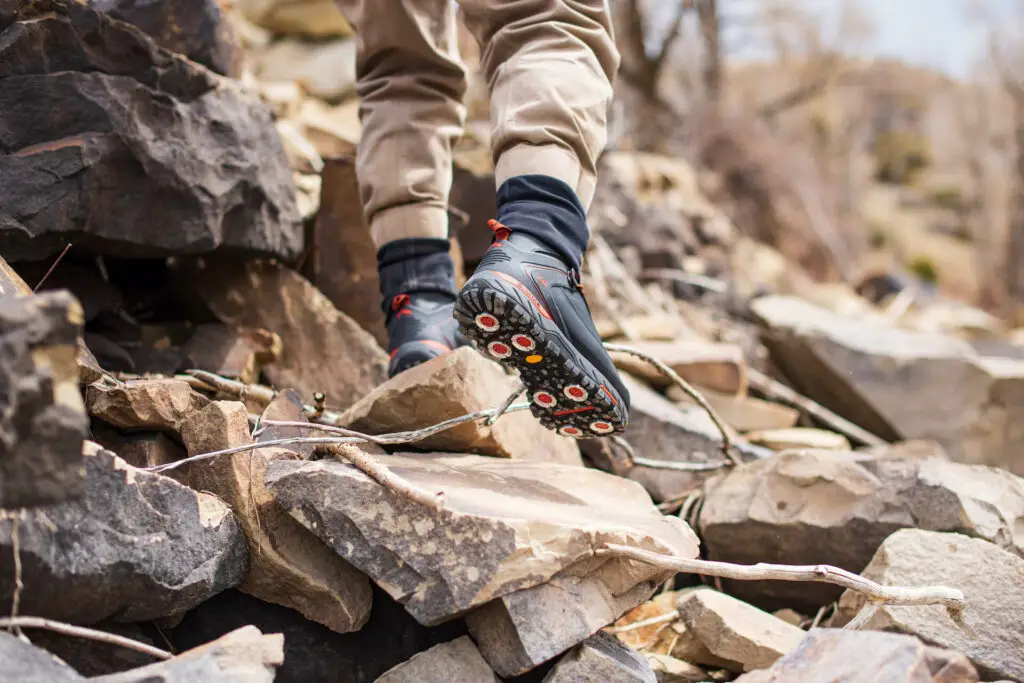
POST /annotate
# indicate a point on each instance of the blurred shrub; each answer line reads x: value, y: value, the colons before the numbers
x: 924, y: 269
x: 900, y: 157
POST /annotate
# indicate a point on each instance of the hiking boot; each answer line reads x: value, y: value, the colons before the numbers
x: 417, y: 285
x: 524, y: 307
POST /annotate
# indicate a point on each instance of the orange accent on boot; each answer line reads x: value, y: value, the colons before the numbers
x: 435, y: 345
x: 501, y: 232
x: 570, y: 411
x: 609, y: 395
x: 398, y: 301
x: 529, y: 295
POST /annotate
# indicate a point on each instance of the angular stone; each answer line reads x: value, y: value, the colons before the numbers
x: 326, y: 69
x: 91, y: 658
x: 312, y: 18
x: 742, y: 413
x: 25, y: 663
x: 458, y: 660
x: 671, y: 670
x: 197, y: 30
x: 660, y: 430
x: 86, y: 102
x: 524, y: 629
x: 832, y: 507
x: 720, y: 367
x: 884, y: 379
x: 990, y: 579
x: 144, y: 449
x: 601, y: 658
x: 135, y: 546
x: 42, y: 418
x: 289, y: 565
x: 245, y: 655
x: 507, y: 525
x: 145, y: 404
x: 323, y: 349
x: 287, y: 406
x: 454, y: 384
x: 799, y: 437
x: 865, y: 657
x: 235, y: 353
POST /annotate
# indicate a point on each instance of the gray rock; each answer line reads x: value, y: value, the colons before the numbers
x: 135, y: 546
x: 601, y: 658
x: 828, y: 507
x: 841, y: 656
x: 507, y: 525
x: 123, y: 147
x: 242, y: 656
x: 990, y: 578
x: 24, y: 663
x: 458, y: 660
x: 42, y: 418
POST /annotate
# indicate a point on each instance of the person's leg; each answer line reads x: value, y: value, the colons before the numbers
x: 410, y: 83
x: 550, y: 65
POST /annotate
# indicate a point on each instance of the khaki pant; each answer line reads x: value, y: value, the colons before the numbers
x: 549, y: 65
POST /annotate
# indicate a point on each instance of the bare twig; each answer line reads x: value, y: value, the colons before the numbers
x: 690, y: 391
x: 637, y: 625
x: 386, y: 478
x: 862, y: 618
x: 780, y: 392
x: 505, y: 406
x: 86, y: 633
x: 695, y: 279
x: 59, y: 258
x: 19, y: 584
x: 683, y: 466
x: 951, y: 598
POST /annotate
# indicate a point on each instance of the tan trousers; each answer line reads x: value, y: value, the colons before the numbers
x: 549, y: 65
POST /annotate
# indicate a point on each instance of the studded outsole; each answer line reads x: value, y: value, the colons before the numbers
x: 567, y: 394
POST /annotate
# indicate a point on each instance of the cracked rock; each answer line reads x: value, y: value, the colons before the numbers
x: 601, y: 658
x: 457, y: 660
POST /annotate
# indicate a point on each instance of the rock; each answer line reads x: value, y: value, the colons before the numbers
x: 831, y: 507
x: 742, y: 413
x: 312, y: 18
x: 790, y: 616
x: 334, y: 131
x: 884, y: 379
x: 289, y: 565
x: 506, y: 526
x: 865, y: 657
x: 736, y: 632
x: 313, y: 652
x: 524, y: 629
x: 458, y: 660
x: 92, y: 658
x: 235, y: 353
x: 456, y: 384
x: 135, y: 546
x: 144, y: 449
x: 24, y: 663
x: 145, y: 404
x: 663, y: 328
x: 799, y: 437
x: 990, y: 579
x: 660, y: 430
x: 245, y: 655
x: 109, y: 104
x: 197, y: 30
x: 325, y: 69
x: 671, y: 670
x: 323, y: 349
x: 42, y: 418
x: 601, y: 658
x: 343, y: 259
x: 720, y: 367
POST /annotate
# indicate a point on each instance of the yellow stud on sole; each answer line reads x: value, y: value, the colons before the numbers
x: 534, y: 359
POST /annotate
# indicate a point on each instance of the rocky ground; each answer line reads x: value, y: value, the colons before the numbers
x: 219, y: 294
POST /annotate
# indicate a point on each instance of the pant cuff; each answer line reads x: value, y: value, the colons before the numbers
x: 409, y: 220
x: 550, y: 160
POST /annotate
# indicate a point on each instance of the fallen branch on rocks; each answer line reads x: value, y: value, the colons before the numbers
x: 637, y: 461
x: 653, y: 621
x: 19, y: 584
x: 82, y: 632
x: 951, y: 598
x: 386, y: 478
x: 780, y: 392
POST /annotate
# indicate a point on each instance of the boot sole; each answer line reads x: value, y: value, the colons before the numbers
x: 567, y: 393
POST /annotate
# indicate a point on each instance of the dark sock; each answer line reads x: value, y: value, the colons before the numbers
x: 548, y: 210
x: 416, y: 265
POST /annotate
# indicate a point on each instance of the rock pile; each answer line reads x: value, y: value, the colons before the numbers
x: 169, y: 498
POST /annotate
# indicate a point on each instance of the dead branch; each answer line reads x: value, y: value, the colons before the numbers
x: 637, y: 625
x: 86, y: 633
x: 780, y: 392
x: 951, y: 598
x: 386, y: 478
x: 19, y: 584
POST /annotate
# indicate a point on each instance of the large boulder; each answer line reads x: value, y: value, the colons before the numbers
x: 42, y: 418
x: 125, y: 148
x: 828, y: 507
x: 135, y: 546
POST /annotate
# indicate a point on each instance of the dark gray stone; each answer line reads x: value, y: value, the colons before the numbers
x: 122, y: 147
x: 135, y: 546
x: 23, y: 663
x: 42, y: 417
x: 602, y: 657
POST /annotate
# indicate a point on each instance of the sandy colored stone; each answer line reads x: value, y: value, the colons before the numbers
x: 312, y: 18
x: 736, y: 632
x: 671, y: 670
x: 325, y: 69
x: 456, y: 660
x: 742, y: 413
x: 990, y: 579
x: 289, y: 565
x: 707, y: 364
x: 507, y: 525
x: 601, y: 658
x: 145, y: 404
x: 235, y: 353
x: 451, y: 385
x: 799, y: 437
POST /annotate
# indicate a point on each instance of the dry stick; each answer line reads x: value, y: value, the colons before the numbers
x: 637, y: 625
x: 52, y: 268
x: 19, y: 585
x: 690, y: 391
x: 666, y: 464
x: 386, y: 478
x: 780, y: 392
x: 86, y: 633
x: 951, y: 598
x: 506, y: 405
